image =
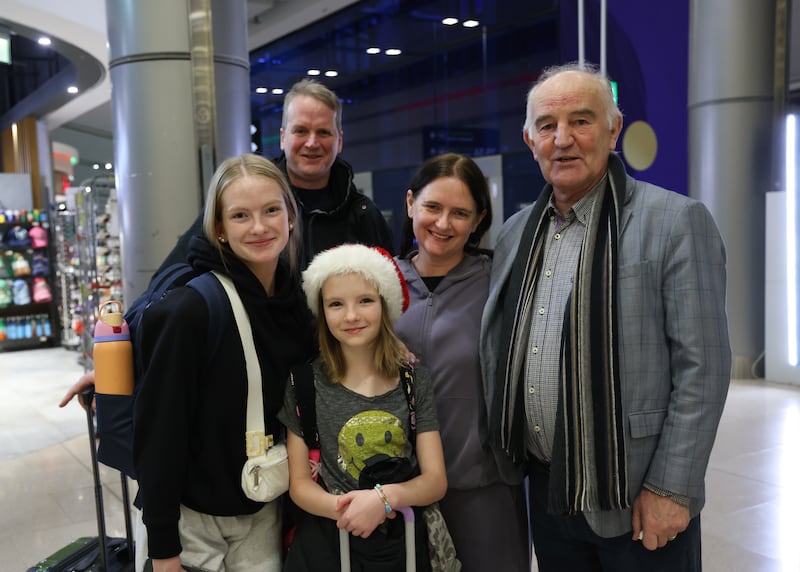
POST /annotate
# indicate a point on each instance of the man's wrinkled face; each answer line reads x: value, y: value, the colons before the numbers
x: 570, y: 136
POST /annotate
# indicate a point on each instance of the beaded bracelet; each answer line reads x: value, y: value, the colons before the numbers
x: 382, y: 496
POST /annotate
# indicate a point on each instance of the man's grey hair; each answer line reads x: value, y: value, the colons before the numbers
x: 607, y: 93
x: 313, y: 88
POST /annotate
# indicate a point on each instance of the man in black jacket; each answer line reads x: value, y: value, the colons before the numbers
x: 332, y: 210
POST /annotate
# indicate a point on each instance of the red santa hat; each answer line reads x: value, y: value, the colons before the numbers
x: 372, y: 262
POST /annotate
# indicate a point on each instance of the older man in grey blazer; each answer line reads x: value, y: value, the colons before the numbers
x: 604, y: 345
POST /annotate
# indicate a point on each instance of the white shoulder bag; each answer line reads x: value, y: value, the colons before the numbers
x: 265, y: 475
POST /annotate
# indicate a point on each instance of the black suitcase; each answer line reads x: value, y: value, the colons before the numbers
x: 99, y: 553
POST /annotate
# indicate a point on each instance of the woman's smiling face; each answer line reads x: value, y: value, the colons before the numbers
x: 444, y: 215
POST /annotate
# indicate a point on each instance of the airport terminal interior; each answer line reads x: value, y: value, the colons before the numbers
x: 415, y: 78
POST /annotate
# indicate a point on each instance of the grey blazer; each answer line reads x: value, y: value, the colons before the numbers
x: 675, y: 355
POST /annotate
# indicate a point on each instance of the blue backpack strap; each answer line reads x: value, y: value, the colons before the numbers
x: 177, y: 273
x: 219, y: 310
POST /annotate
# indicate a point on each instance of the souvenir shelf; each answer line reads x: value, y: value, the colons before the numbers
x: 98, y: 271
x: 69, y: 309
x: 28, y: 316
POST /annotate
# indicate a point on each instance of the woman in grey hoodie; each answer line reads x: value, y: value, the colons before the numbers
x: 448, y: 212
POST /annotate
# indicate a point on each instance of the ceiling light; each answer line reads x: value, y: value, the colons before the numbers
x: 450, y: 21
x: 373, y: 51
x: 471, y: 24
x: 393, y: 52
x: 108, y: 166
x: 313, y: 72
x: 72, y: 89
x: 331, y: 73
x: 95, y: 166
x: 277, y: 91
x: 44, y: 41
x: 261, y: 90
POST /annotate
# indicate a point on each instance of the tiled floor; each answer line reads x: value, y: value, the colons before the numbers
x: 750, y: 523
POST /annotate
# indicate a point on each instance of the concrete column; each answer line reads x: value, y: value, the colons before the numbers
x: 157, y: 151
x: 231, y: 77
x: 730, y: 149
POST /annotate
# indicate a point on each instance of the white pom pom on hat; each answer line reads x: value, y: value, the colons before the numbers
x: 372, y: 262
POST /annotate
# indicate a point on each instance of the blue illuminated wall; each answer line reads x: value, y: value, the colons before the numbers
x: 648, y: 55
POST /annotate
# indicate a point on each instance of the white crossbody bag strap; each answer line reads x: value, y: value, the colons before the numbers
x: 257, y: 443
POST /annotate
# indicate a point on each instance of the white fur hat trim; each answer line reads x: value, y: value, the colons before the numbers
x: 376, y: 268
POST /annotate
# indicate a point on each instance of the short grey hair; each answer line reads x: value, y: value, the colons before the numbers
x: 313, y: 88
x: 613, y: 112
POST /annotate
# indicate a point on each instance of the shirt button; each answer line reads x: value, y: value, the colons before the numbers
x: 548, y: 273
x: 537, y: 428
x: 541, y: 311
x: 535, y: 349
x: 531, y: 390
x: 557, y: 236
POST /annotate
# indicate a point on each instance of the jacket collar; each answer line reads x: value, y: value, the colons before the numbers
x: 340, y: 182
x: 464, y: 270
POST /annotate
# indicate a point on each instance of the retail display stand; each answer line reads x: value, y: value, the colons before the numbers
x: 28, y: 316
x: 89, y: 259
x: 64, y: 231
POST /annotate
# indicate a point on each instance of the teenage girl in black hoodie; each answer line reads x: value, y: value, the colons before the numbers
x: 189, y: 415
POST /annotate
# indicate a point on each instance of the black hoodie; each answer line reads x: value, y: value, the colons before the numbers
x: 189, y: 420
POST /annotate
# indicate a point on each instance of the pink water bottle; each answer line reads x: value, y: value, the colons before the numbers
x: 113, y: 352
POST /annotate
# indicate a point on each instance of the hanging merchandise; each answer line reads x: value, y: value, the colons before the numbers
x: 20, y: 265
x: 97, y: 272
x: 17, y: 236
x: 41, y: 291
x: 6, y: 296
x: 40, y: 265
x: 38, y: 236
x: 21, y: 292
x: 27, y: 297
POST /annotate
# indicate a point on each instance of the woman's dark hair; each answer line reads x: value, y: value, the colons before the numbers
x: 465, y: 170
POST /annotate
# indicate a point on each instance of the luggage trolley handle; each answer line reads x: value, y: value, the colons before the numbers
x: 88, y: 397
x: 411, y: 557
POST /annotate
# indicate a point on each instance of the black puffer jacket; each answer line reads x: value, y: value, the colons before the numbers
x: 190, y: 414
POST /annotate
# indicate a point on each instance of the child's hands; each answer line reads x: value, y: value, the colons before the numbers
x: 361, y: 511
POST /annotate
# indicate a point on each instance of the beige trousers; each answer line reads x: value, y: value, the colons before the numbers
x: 226, y: 543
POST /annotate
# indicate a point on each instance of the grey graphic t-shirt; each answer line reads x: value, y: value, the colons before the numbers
x: 353, y: 428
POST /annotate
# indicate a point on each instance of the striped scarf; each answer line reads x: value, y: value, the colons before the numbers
x: 588, y: 468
